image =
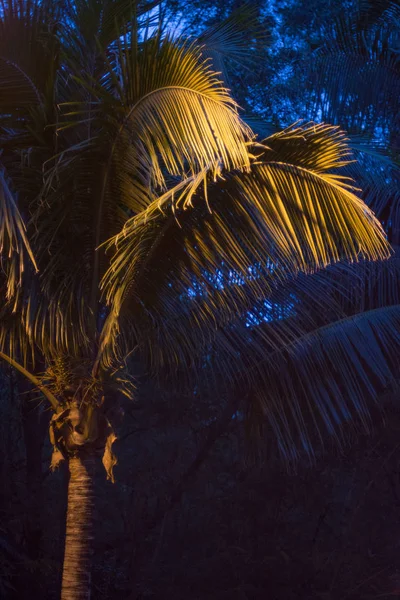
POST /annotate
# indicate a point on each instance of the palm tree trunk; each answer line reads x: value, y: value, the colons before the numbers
x: 76, y: 580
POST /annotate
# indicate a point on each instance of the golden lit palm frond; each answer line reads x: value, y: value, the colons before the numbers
x: 173, y: 111
x: 258, y: 227
x: 316, y: 146
x: 163, y: 105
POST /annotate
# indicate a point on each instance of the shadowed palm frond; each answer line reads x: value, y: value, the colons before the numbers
x: 340, y: 355
x: 340, y: 75
x: 329, y: 378
x: 377, y: 170
x: 15, y: 249
x: 378, y: 12
x: 333, y: 353
x: 103, y: 21
x: 234, y: 38
x: 28, y: 53
x: 316, y: 354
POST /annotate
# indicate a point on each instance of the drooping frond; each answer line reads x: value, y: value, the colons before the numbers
x: 336, y: 352
x: 378, y: 170
x: 257, y: 227
x: 174, y: 112
x: 378, y: 12
x: 15, y: 249
x: 330, y: 377
x: 316, y: 354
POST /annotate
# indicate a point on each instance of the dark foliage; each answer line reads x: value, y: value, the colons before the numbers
x: 190, y: 519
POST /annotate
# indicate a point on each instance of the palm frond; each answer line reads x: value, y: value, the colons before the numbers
x: 330, y: 377
x: 377, y: 171
x: 14, y: 245
x: 176, y: 108
x: 378, y: 12
x: 276, y: 220
x: 340, y: 73
x: 315, y: 146
x: 104, y: 21
x: 322, y: 351
x: 28, y: 52
x: 32, y: 378
x: 316, y: 354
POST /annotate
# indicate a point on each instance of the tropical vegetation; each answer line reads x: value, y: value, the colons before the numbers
x: 141, y: 217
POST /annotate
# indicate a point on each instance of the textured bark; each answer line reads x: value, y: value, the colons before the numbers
x: 76, y: 578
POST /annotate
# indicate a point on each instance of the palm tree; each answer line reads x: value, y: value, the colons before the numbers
x: 127, y: 179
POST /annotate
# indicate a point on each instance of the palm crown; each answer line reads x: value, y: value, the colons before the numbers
x: 128, y: 177
x: 142, y: 144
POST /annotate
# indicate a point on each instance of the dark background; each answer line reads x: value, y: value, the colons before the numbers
x: 188, y: 517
